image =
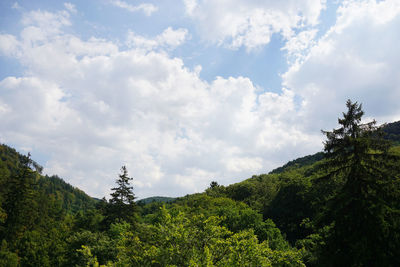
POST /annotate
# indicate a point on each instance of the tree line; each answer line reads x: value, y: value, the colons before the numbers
x: 340, y: 207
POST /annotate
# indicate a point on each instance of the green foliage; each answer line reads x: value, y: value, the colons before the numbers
x: 235, y: 216
x: 99, y: 243
x: 338, y: 208
x: 364, y: 213
x: 89, y: 260
x: 392, y: 131
x: 71, y: 199
x: 184, y: 240
x: 122, y: 204
x: 91, y: 220
x: 291, y: 205
x: 149, y: 200
x: 87, y: 257
x: 298, y: 163
x: 122, y: 194
x: 19, y: 201
x: 33, y: 226
x: 7, y: 257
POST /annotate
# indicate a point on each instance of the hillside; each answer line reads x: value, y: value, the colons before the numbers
x: 285, y: 194
x: 148, y: 200
x: 285, y: 218
x: 71, y: 198
x: 299, y: 162
x: 392, y: 133
x: 47, y: 222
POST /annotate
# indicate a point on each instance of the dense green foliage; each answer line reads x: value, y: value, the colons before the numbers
x: 33, y: 224
x: 392, y: 131
x: 121, y: 206
x: 71, y: 198
x: 148, y: 200
x: 362, y: 214
x: 340, y: 207
x: 300, y: 162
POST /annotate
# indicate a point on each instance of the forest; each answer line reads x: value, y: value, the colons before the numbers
x: 339, y: 207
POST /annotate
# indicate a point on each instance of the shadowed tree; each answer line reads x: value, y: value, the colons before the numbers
x: 364, y: 213
x: 214, y: 184
x: 122, y: 204
x: 20, y: 200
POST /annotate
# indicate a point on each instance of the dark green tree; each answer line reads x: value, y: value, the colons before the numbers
x: 20, y: 201
x: 122, y: 204
x: 214, y: 184
x: 364, y: 212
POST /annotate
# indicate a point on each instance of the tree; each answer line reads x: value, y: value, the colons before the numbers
x: 364, y: 213
x: 20, y: 201
x: 214, y: 184
x: 122, y: 203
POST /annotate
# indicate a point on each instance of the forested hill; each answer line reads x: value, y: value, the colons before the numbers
x: 313, y: 211
x: 392, y: 133
x: 74, y: 199
x: 299, y: 162
x: 70, y: 198
x: 148, y: 200
x: 286, y: 194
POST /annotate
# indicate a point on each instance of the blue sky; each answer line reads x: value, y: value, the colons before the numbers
x: 184, y: 92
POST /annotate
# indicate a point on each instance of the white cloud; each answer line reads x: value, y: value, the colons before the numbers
x: 190, y: 6
x: 47, y: 20
x: 9, y: 45
x: 98, y: 105
x: 252, y: 23
x: 358, y: 59
x: 173, y: 38
x: 244, y: 164
x: 92, y: 107
x: 168, y: 39
x: 297, y: 47
x: 147, y: 9
x: 70, y: 7
x: 41, y: 25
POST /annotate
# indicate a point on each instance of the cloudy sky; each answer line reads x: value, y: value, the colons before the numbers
x: 184, y: 92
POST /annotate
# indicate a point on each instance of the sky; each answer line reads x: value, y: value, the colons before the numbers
x: 185, y: 92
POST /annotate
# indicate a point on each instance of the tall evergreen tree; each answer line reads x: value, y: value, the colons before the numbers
x: 364, y: 213
x: 122, y: 203
x: 20, y: 200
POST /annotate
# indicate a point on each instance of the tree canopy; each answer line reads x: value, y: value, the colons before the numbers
x: 339, y: 207
x: 121, y: 205
x: 361, y: 212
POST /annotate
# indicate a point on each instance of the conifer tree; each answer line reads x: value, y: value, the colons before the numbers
x: 20, y: 200
x: 122, y: 203
x: 364, y: 213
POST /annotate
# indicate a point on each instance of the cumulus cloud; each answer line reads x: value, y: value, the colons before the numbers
x: 298, y: 46
x: 168, y: 39
x: 92, y: 106
x: 357, y: 59
x: 147, y: 9
x: 252, y: 23
x: 50, y: 22
x: 9, y: 45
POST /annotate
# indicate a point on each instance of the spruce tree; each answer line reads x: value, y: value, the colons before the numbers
x: 364, y: 213
x: 20, y: 202
x: 122, y: 204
